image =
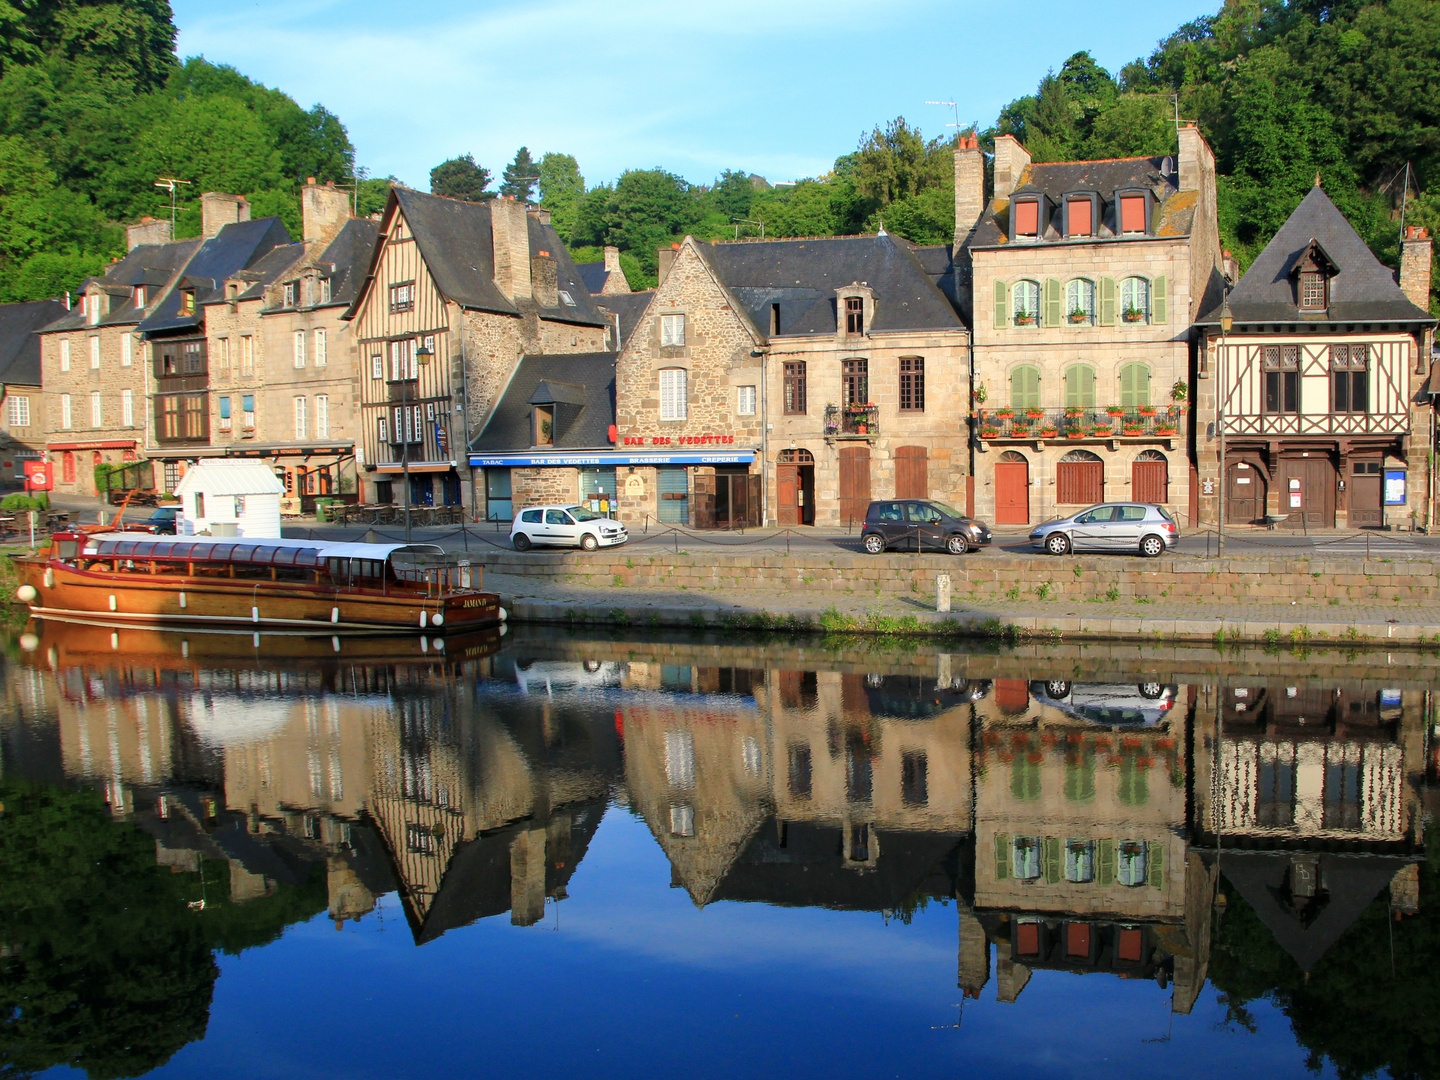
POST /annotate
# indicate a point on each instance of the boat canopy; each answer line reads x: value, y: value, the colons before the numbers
x: 307, y: 555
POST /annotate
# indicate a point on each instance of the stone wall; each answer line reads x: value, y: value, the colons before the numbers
x: 110, y: 379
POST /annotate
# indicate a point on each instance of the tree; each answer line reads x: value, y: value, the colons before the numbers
x: 561, y: 189
x: 519, y: 176
x: 896, y: 161
x: 648, y: 208
x: 461, y: 178
x: 732, y: 194
x: 589, y: 225
x: 133, y: 42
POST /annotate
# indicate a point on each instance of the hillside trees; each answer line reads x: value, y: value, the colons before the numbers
x: 461, y: 178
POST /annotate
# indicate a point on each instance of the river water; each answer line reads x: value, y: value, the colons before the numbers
x: 227, y: 855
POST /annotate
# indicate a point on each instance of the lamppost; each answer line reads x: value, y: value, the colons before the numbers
x: 410, y: 423
x: 1226, y: 321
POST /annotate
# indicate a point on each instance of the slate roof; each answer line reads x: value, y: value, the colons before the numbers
x: 456, y: 241
x: 1363, y: 289
x: 151, y: 265
x: 802, y: 276
x: 593, y: 274
x: 237, y: 246
x: 349, y: 255
x: 581, y: 384
x: 1174, y: 213
x: 19, y: 347
x: 629, y: 306
x: 268, y: 269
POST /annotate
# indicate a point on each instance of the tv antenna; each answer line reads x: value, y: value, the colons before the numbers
x: 738, y: 221
x: 955, y: 108
x: 1175, y: 101
x: 168, y: 183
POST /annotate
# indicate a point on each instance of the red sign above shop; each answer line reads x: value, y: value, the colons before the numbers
x: 678, y: 440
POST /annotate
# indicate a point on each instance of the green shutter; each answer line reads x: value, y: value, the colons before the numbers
x: 1155, y: 865
x: 1002, y: 305
x: 1051, y: 863
x: 1134, y: 386
x: 1080, y: 387
x: 1080, y: 779
x: 1052, y: 301
x: 1002, y: 856
x: 1159, y: 300
x: 1105, y: 862
x: 1025, y: 387
x: 1107, y: 301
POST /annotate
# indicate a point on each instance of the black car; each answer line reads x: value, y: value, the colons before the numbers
x: 916, y: 524
x: 161, y: 521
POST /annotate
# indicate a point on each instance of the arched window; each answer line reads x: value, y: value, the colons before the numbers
x: 1079, y: 479
x: 1080, y: 302
x: 1025, y: 387
x: 795, y: 457
x: 1080, y: 386
x: 1026, y: 303
x: 1135, y: 300
x: 1134, y: 386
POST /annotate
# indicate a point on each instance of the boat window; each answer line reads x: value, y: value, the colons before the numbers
x: 243, y: 553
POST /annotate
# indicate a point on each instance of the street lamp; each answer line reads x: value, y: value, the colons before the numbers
x: 1226, y: 322
x: 422, y: 358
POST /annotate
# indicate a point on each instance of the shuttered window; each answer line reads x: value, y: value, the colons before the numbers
x: 127, y: 349
x: 94, y: 354
x: 1027, y: 218
x: 673, y: 488
x: 127, y: 408
x: 65, y: 415
x: 1132, y: 213
x: 64, y: 354
x: 1079, y: 213
x: 1025, y: 387
x: 300, y: 418
x: 672, y: 394
x: 1134, y: 386
x: 1160, y: 300
x: 1026, y: 303
x: 1054, y: 302
x: 322, y: 417
x: 1080, y: 386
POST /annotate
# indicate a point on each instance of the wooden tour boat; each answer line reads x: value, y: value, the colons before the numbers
x: 134, y: 577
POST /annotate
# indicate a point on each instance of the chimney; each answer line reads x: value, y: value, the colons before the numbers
x: 541, y: 215
x: 1010, y: 161
x: 218, y: 210
x: 612, y: 259
x: 147, y: 231
x: 324, y: 210
x: 969, y: 188
x: 1229, y: 267
x: 1415, y: 255
x: 1197, y: 161
x: 545, y: 279
x: 666, y: 259
x: 510, y: 231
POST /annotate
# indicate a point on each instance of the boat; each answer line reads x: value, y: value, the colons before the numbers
x: 140, y: 578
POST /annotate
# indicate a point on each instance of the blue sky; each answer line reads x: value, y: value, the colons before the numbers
x: 777, y: 87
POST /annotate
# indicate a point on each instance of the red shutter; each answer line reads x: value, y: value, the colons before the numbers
x: 1079, y: 217
x: 1132, y: 213
x: 1027, y: 218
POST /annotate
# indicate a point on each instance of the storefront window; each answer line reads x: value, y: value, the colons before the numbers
x: 498, y: 503
x: 597, y: 489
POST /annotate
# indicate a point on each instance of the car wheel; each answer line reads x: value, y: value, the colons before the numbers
x: 521, y: 542
x: 1151, y: 690
x: 1057, y: 543
x: 1151, y: 546
x: 874, y: 543
x: 1057, y: 689
x: 956, y: 545
x: 588, y: 542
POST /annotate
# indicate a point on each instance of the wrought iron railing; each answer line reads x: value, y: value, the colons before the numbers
x: 1143, y: 423
x: 852, y: 421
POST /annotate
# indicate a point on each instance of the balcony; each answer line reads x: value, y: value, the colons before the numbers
x: 1030, y: 425
x: 852, y: 421
x: 403, y: 389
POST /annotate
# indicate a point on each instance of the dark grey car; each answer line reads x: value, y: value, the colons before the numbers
x: 917, y: 524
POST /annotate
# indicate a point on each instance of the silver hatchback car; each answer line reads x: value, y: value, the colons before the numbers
x: 1146, y: 528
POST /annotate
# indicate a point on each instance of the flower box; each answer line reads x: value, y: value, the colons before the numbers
x: 1166, y: 429
x: 1134, y: 429
x: 1004, y: 414
x: 1075, y: 433
x: 1101, y: 429
x: 1114, y: 410
x: 1034, y: 414
x: 989, y: 433
x: 1048, y: 432
x: 1133, y: 316
x: 1147, y: 410
x: 1024, y: 320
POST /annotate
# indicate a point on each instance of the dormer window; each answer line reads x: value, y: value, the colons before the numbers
x: 287, y: 294
x: 544, y: 419
x: 1133, y: 213
x: 325, y: 290
x: 1313, y: 271
x: 1081, y: 215
x: 187, y: 301
x: 1027, y: 219
x: 232, y: 291
x: 854, y: 315
x: 92, y: 308
x: 139, y: 297
x: 1313, y: 291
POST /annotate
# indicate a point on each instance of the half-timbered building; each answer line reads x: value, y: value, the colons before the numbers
x: 1311, y: 381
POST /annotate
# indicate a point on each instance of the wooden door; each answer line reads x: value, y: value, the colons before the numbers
x: 1312, y: 479
x: 1365, y: 488
x: 752, y: 499
x: 1079, y: 483
x: 1012, y: 493
x: 704, y: 500
x: 1244, y: 494
x: 1149, y: 481
x: 912, y: 480
x: 854, y: 483
x: 787, y: 488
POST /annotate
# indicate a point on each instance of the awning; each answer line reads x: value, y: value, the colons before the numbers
x: 589, y: 458
x: 415, y: 466
x: 95, y: 444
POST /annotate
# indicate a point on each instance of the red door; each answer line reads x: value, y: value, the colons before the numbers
x: 854, y: 483
x: 1149, y: 481
x: 1012, y: 493
x: 787, y: 487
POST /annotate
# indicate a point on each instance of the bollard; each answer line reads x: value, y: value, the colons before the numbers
x: 943, y: 678
x: 942, y: 592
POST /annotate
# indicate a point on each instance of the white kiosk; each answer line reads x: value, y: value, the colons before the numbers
x: 229, y: 497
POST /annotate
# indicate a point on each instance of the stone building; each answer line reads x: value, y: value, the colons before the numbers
x: 791, y: 381
x: 22, y: 423
x: 1319, y: 382
x: 455, y: 295
x: 1086, y: 277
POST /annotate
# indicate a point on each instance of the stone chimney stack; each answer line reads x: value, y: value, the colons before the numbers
x: 1197, y: 161
x: 218, y: 210
x: 510, y: 231
x: 666, y: 258
x: 324, y: 210
x: 1415, y: 256
x: 147, y: 231
x: 969, y: 188
x: 1010, y: 161
x: 612, y: 258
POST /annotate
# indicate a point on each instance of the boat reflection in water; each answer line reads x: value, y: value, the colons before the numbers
x: 1096, y: 825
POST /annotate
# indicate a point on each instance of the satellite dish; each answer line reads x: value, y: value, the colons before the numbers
x: 1167, y: 166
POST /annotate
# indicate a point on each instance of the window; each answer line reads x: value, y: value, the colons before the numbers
x: 1079, y: 217
x: 127, y: 350
x: 1026, y: 305
x: 914, y: 782
x: 298, y: 348
x: 1025, y: 858
x: 225, y: 420
x: 225, y: 357
x: 672, y: 394
x: 682, y: 820
x: 247, y: 408
x: 1079, y: 860
x: 319, y: 348
x: 1080, y: 302
x: 325, y: 290
x: 499, y: 506
x: 1132, y: 213
x: 1025, y: 387
x: 798, y: 771
x: 1312, y: 290
x: 64, y: 354
x: 1027, y: 219
x: 139, y: 297
x: 94, y: 354
x: 322, y: 416
x: 65, y: 411
x: 855, y: 382
x: 402, y: 360
x: 680, y: 759
x: 795, y: 388
x: 247, y: 355
x: 1080, y: 387
x: 1281, y: 367
x: 187, y: 301
x: 92, y: 309
x: 672, y: 330
x: 1135, y: 300
x: 912, y: 384
x: 287, y: 294
x: 745, y: 401
x: 181, y: 416
x: 377, y: 365
x: 67, y: 467
x: 1134, y: 386
x: 1130, y: 863
x: 402, y: 297
x: 300, y: 418
x: 127, y: 408
x: 383, y: 429
x: 854, y: 315
x: 566, y: 298
x: 19, y: 412
x: 1349, y: 379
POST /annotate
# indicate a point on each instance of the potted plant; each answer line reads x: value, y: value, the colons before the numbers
x: 1072, y: 411
x: 989, y: 432
x: 1033, y: 413
x: 979, y: 394
x: 1005, y: 413
x: 1132, y: 428
x: 1101, y: 429
x: 1166, y: 428
x: 1132, y: 315
x: 1114, y: 410
x: 1147, y: 410
x: 1049, y: 431
x: 1180, y: 391
x: 1079, y: 315
x: 1024, y: 318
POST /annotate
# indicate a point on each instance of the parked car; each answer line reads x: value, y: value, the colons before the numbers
x: 565, y: 526
x: 1112, y: 704
x: 161, y: 521
x: 1146, y: 528
x: 915, y: 524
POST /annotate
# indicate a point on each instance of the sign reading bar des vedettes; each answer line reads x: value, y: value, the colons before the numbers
x: 677, y: 440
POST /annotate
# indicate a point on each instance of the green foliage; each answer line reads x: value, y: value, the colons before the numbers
x: 461, y: 178
x: 519, y: 177
x: 18, y: 502
x: 648, y: 209
x: 561, y: 189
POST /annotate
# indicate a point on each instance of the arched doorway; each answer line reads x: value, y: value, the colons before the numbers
x: 912, y: 474
x: 1012, y: 489
x: 1150, y: 477
x: 1080, y: 479
x: 854, y: 483
x: 1245, y: 489
x: 795, y: 487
